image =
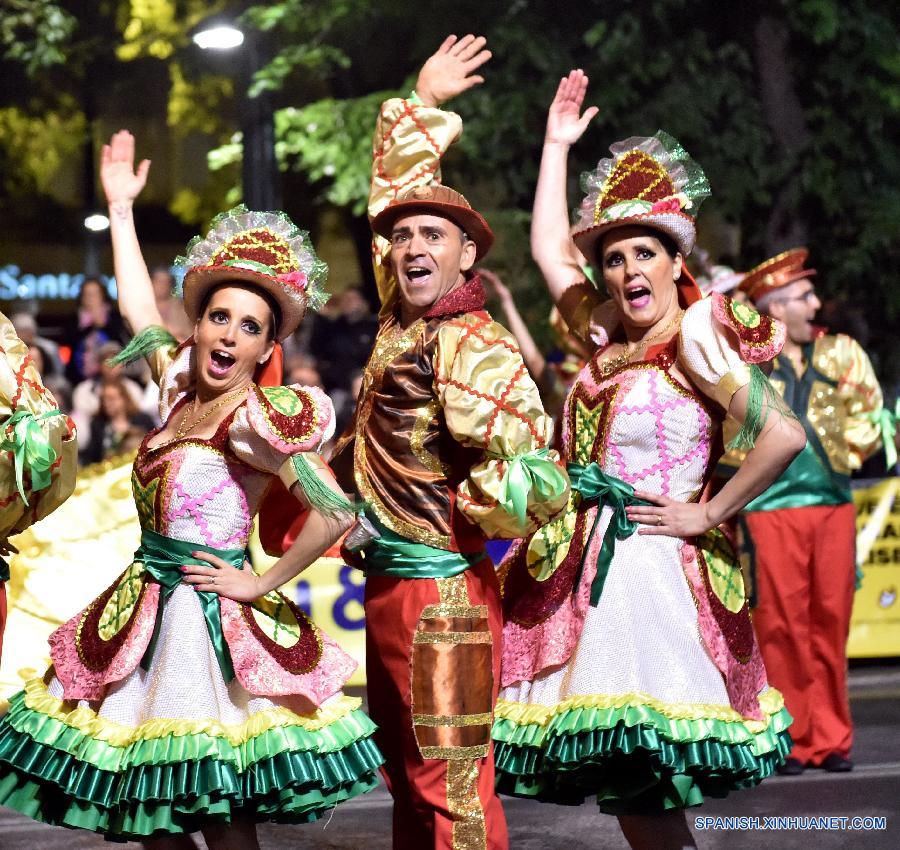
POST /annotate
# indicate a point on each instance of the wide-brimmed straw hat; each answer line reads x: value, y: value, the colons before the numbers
x: 437, y: 200
x: 263, y: 249
x: 776, y: 272
x: 651, y: 182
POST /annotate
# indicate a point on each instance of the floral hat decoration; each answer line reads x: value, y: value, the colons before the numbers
x: 649, y: 181
x: 265, y: 249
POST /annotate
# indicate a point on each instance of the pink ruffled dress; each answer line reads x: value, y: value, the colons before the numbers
x: 152, y: 721
x: 655, y: 694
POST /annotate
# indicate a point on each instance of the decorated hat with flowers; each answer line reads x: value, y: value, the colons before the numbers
x: 264, y: 249
x: 649, y: 181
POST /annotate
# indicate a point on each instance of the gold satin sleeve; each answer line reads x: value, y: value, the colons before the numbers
x: 21, y: 389
x: 490, y: 402
x: 409, y: 142
x: 577, y: 306
x: 842, y: 358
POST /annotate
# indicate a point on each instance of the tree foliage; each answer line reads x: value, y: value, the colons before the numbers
x: 35, y: 32
x: 810, y: 158
x: 791, y: 107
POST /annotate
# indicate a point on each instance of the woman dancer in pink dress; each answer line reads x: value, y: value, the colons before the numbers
x: 190, y: 695
x: 630, y: 668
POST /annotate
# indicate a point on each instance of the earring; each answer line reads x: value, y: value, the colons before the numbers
x: 678, y: 276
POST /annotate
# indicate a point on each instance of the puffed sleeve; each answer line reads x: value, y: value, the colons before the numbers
x: 861, y: 393
x: 491, y: 403
x: 721, y: 345
x: 175, y: 368
x: 407, y: 147
x: 38, y: 449
x: 277, y: 423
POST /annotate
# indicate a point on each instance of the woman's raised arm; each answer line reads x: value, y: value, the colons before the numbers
x: 551, y: 243
x: 122, y: 184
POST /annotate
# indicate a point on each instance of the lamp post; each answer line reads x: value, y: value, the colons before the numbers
x: 260, y: 182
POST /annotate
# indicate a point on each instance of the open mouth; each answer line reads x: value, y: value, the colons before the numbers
x: 639, y: 296
x: 220, y: 363
x: 417, y: 274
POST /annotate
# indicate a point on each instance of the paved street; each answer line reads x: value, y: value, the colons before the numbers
x: 871, y: 790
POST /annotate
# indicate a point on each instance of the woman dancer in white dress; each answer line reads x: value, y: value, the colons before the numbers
x: 630, y: 669
x: 190, y: 695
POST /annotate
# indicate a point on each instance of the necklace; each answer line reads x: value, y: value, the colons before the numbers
x: 607, y: 367
x: 184, y: 428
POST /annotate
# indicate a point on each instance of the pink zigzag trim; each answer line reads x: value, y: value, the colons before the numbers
x: 191, y: 506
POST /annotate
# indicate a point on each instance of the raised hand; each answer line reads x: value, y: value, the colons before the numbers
x: 565, y: 125
x: 120, y: 181
x: 449, y: 71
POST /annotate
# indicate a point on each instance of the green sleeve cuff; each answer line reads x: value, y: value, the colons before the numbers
x: 301, y: 469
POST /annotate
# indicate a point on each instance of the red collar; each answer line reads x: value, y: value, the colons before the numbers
x: 468, y: 298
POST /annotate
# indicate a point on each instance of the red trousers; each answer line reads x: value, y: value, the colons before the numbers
x: 805, y: 575
x: 433, y: 671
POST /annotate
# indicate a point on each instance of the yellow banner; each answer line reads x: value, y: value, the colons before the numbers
x: 875, y: 625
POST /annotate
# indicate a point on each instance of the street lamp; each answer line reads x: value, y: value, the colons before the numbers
x: 259, y: 172
x: 219, y: 37
x: 96, y: 222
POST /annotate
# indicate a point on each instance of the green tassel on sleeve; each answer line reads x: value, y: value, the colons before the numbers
x: 762, y: 399
x: 144, y: 344
x: 320, y: 497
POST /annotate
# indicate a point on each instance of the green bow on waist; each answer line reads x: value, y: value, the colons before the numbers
x: 532, y: 471
x: 163, y: 557
x: 24, y: 437
x: 886, y: 422
x: 595, y: 486
x: 393, y: 555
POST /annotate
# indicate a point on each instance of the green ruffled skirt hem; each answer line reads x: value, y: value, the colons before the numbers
x: 55, y: 773
x: 632, y: 758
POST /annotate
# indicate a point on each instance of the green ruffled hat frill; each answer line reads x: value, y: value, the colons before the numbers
x: 633, y: 758
x: 58, y: 774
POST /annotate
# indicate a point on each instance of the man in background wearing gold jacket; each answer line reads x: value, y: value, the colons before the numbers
x: 803, y: 527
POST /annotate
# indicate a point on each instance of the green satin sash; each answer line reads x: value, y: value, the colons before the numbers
x: 163, y: 558
x: 807, y: 481
x: 595, y: 486
x: 23, y: 436
x: 396, y: 556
